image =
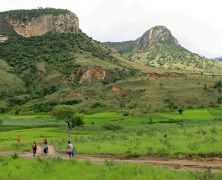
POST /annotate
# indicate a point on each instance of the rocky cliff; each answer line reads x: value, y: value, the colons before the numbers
x: 37, y: 22
x: 155, y: 35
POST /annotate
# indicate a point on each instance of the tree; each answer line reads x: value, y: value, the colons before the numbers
x: 69, y: 115
x: 180, y: 109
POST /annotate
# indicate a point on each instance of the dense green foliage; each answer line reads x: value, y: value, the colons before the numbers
x: 218, y: 85
x: 54, y: 49
x: 23, y: 13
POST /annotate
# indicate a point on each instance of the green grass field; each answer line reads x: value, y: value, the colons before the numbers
x: 194, y: 133
x: 166, y: 134
x: 22, y: 169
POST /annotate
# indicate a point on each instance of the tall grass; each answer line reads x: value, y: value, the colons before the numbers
x: 59, y: 169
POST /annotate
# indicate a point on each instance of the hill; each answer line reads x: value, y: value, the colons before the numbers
x: 219, y: 58
x: 48, y: 68
x: 159, y: 48
x: 45, y: 61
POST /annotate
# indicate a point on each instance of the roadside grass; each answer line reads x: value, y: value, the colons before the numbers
x: 30, y: 169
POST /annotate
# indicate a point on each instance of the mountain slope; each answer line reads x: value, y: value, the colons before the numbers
x: 43, y: 68
x: 36, y: 62
x: 157, y: 47
x: 9, y: 82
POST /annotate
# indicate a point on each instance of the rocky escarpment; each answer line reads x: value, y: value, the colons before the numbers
x: 37, y: 22
x: 155, y: 35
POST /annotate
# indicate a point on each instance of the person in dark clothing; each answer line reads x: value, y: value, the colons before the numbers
x: 45, y: 148
x: 34, y: 148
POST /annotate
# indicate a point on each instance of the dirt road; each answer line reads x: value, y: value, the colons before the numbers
x: 214, y: 164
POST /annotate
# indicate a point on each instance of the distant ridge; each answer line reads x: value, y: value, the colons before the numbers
x: 219, y: 58
x: 159, y: 48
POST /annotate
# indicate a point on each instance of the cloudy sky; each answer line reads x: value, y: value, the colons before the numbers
x: 195, y: 23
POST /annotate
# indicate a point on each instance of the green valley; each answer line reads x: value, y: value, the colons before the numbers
x: 143, y: 109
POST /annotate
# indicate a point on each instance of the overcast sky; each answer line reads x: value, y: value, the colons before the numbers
x: 195, y: 23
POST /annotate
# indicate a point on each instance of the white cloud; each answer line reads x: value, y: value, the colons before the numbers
x: 195, y: 23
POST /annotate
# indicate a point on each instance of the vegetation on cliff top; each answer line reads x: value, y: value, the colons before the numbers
x: 23, y: 13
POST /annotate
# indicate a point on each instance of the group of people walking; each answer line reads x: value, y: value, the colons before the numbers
x: 45, y: 148
x: 69, y: 148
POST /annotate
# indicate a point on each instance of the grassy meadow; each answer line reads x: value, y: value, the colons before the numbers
x: 194, y: 133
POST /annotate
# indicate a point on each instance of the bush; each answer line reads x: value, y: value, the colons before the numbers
x: 20, y: 14
x: 126, y: 114
x: 218, y: 84
x: 15, y: 156
x: 97, y: 105
x: 150, y: 121
x: 219, y: 100
x: 112, y: 127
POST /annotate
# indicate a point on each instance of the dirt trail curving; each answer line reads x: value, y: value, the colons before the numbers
x: 214, y: 164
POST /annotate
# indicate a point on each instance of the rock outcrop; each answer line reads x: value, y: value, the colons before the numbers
x: 155, y: 35
x: 118, y: 90
x: 94, y: 74
x: 27, y: 26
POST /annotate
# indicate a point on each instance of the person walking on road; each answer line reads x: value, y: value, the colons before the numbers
x: 34, y: 148
x: 69, y: 150
x: 46, y: 148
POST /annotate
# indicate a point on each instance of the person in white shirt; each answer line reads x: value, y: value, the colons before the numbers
x: 69, y: 149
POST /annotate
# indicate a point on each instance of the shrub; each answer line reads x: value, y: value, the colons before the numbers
x: 126, y: 114
x: 180, y: 109
x: 150, y: 121
x: 97, y: 105
x: 15, y: 156
x: 219, y: 100
x: 112, y: 127
x: 218, y: 84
